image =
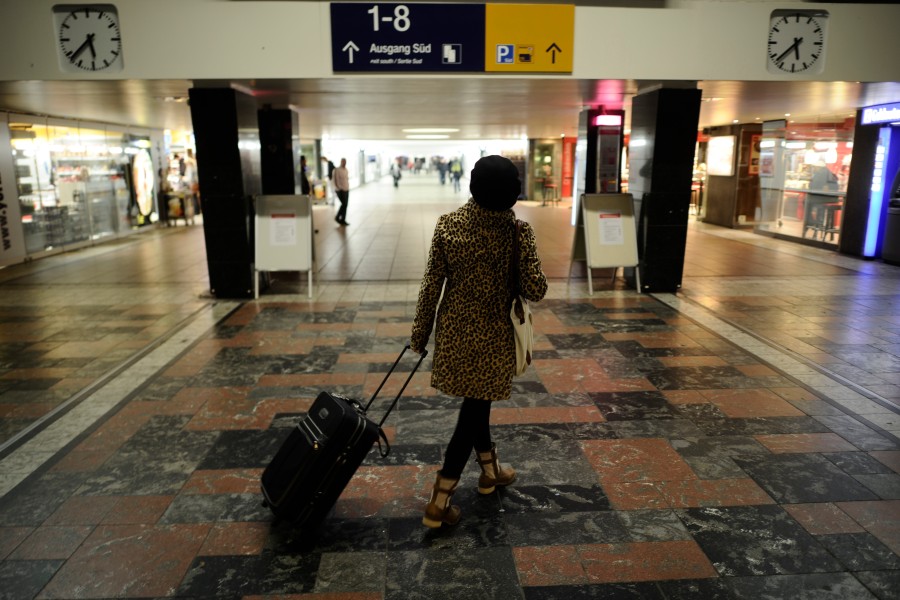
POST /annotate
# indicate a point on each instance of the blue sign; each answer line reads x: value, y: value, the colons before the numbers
x: 407, y: 37
x: 884, y: 113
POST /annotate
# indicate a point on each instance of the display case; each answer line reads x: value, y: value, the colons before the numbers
x: 72, y: 182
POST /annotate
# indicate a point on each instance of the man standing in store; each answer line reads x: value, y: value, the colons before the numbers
x: 341, y: 183
x: 329, y: 188
x: 302, y: 178
x: 191, y: 186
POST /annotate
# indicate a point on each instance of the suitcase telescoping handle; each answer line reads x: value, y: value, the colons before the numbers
x: 384, y: 451
x: 405, y: 383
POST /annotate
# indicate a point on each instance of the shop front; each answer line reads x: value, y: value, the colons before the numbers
x: 546, y: 171
x: 77, y: 184
x: 803, y: 173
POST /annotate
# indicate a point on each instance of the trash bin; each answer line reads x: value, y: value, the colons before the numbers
x: 890, y: 247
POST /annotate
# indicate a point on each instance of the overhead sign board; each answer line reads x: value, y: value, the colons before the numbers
x: 447, y: 38
x: 529, y: 38
x: 407, y: 37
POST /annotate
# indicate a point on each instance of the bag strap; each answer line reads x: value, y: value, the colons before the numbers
x: 514, y: 282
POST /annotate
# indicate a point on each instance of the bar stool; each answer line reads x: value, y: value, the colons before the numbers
x: 832, y: 211
x: 548, y: 189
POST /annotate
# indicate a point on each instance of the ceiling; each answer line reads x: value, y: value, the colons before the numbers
x: 379, y: 108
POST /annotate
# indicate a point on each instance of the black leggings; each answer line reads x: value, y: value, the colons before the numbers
x: 473, y: 430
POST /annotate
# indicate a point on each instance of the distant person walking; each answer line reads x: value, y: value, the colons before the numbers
x: 304, y: 180
x: 342, y: 190
x: 395, y: 173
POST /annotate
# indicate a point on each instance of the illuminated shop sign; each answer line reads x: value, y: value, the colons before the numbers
x: 876, y: 198
x: 884, y: 113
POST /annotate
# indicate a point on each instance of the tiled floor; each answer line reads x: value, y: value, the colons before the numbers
x: 736, y: 440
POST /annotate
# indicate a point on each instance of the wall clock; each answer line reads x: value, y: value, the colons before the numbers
x: 88, y: 38
x: 796, y: 41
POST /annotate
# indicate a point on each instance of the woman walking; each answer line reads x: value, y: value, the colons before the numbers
x: 474, y: 350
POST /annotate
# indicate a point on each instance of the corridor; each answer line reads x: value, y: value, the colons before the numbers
x: 738, y: 439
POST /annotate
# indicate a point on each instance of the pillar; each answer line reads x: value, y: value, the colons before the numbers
x: 276, y: 130
x: 661, y: 151
x: 227, y: 138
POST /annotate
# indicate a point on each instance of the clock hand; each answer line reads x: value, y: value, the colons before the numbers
x: 793, y: 47
x: 87, y: 42
x: 94, y: 52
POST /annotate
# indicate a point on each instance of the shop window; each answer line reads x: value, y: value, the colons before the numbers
x: 803, y: 169
x: 75, y: 184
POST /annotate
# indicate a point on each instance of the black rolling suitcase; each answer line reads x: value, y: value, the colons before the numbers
x: 322, y: 453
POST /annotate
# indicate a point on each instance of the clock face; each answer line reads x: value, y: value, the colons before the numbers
x: 89, y: 38
x: 796, y: 41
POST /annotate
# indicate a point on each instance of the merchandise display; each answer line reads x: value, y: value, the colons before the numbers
x: 74, y: 183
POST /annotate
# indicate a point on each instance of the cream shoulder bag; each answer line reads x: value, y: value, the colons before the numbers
x: 519, y: 312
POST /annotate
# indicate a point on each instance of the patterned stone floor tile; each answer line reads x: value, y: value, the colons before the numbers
x: 130, y: 510
x: 622, y: 591
x: 860, y: 552
x: 751, y: 403
x: 645, y: 561
x: 549, y: 566
x: 823, y: 518
x: 128, y: 561
x: 891, y: 458
x: 238, y: 576
x: 472, y: 573
x: 51, y: 542
x: 696, y: 493
x: 628, y: 461
x: 825, y: 586
x: 805, y: 443
x: 880, y: 518
x: 756, y: 540
x: 236, y: 539
x: 564, y: 528
x: 803, y: 478
x: 883, y: 584
x: 26, y: 578
x: 634, y: 496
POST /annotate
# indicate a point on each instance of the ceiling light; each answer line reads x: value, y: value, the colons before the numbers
x: 428, y: 137
x: 430, y: 130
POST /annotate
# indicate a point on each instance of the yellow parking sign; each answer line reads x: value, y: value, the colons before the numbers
x: 529, y: 37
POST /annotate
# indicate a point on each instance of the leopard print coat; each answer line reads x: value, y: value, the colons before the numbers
x: 474, y: 349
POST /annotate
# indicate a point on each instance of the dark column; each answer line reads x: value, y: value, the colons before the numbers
x: 228, y: 180
x: 661, y: 151
x: 276, y: 128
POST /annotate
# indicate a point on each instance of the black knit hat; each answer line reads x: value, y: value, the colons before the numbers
x: 494, y: 183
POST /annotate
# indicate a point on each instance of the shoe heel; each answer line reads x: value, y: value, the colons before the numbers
x: 433, y: 524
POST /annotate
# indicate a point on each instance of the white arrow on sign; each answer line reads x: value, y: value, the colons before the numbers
x: 350, y: 48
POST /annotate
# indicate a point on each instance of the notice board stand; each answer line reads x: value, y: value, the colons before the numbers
x: 284, y: 236
x: 610, y: 234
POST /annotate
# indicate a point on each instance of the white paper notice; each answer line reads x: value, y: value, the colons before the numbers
x: 611, y: 233
x: 283, y: 230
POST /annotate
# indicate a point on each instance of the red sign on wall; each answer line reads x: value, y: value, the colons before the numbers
x: 568, y: 166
